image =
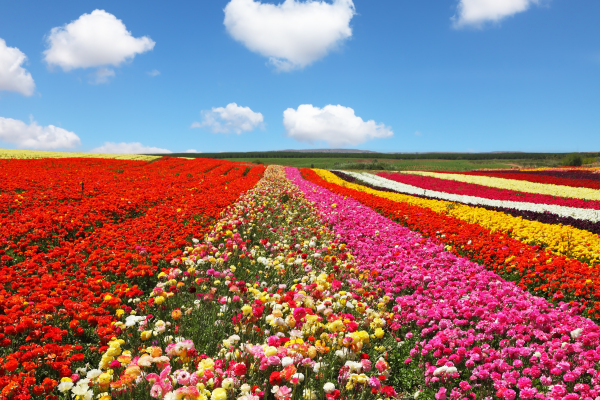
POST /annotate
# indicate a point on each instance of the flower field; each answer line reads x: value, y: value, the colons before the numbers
x: 209, y: 279
x: 37, y: 154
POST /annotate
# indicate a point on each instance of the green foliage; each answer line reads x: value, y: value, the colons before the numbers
x: 386, y: 156
x: 392, y: 165
x: 573, y: 160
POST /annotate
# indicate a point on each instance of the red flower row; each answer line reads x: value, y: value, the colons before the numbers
x: 68, y: 261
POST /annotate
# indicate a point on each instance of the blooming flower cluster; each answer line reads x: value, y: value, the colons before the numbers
x: 474, y: 335
x: 69, y: 259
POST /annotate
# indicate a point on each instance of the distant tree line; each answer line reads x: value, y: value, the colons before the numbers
x: 423, y: 156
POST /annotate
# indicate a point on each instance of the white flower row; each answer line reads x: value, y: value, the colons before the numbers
x: 579, y: 213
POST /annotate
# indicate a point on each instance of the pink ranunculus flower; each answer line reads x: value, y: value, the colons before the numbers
x: 441, y: 394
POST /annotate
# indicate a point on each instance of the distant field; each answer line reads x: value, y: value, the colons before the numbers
x: 36, y: 154
x: 400, y: 165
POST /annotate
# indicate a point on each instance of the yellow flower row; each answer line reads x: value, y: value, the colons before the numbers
x: 561, y: 169
x: 32, y: 154
x: 559, y: 239
x: 513, y: 184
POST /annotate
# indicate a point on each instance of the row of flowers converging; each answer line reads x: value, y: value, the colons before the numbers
x: 263, y: 307
x: 559, y: 170
x: 478, y: 336
x: 480, y: 194
x: 533, y: 268
x: 520, y: 183
x: 588, y: 177
x: 525, y: 211
x: 560, y: 240
x: 68, y: 259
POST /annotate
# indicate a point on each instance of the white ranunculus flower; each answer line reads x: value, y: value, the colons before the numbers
x: 65, y: 386
x: 328, y: 387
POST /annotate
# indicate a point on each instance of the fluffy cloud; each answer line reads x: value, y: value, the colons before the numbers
x: 34, y: 136
x: 292, y: 34
x: 232, y: 118
x: 477, y: 12
x: 13, y: 77
x: 93, y: 40
x: 128, y: 148
x: 103, y: 75
x: 192, y: 151
x: 335, y: 125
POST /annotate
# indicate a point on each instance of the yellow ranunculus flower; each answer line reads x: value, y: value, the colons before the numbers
x: 207, y: 363
x: 219, y: 394
x: 104, y: 378
x: 247, y: 310
x: 270, y: 351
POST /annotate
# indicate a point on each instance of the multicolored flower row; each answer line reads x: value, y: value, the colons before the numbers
x: 264, y: 307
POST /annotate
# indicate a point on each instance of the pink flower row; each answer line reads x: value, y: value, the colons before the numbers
x: 471, y: 189
x: 479, y: 335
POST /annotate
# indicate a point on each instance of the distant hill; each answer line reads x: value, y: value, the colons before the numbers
x: 329, y: 151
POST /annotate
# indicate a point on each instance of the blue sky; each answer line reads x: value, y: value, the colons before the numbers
x: 385, y: 75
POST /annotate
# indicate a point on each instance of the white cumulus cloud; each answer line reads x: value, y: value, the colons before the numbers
x: 477, y: 12
x: 13, y: 77
x: 231, y: 118
x: 335, y: 125
x: 192, y: 151
x: 292, y: 34
x: 128, y: 148
x: 93, y: 40
x: 34, y: 136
